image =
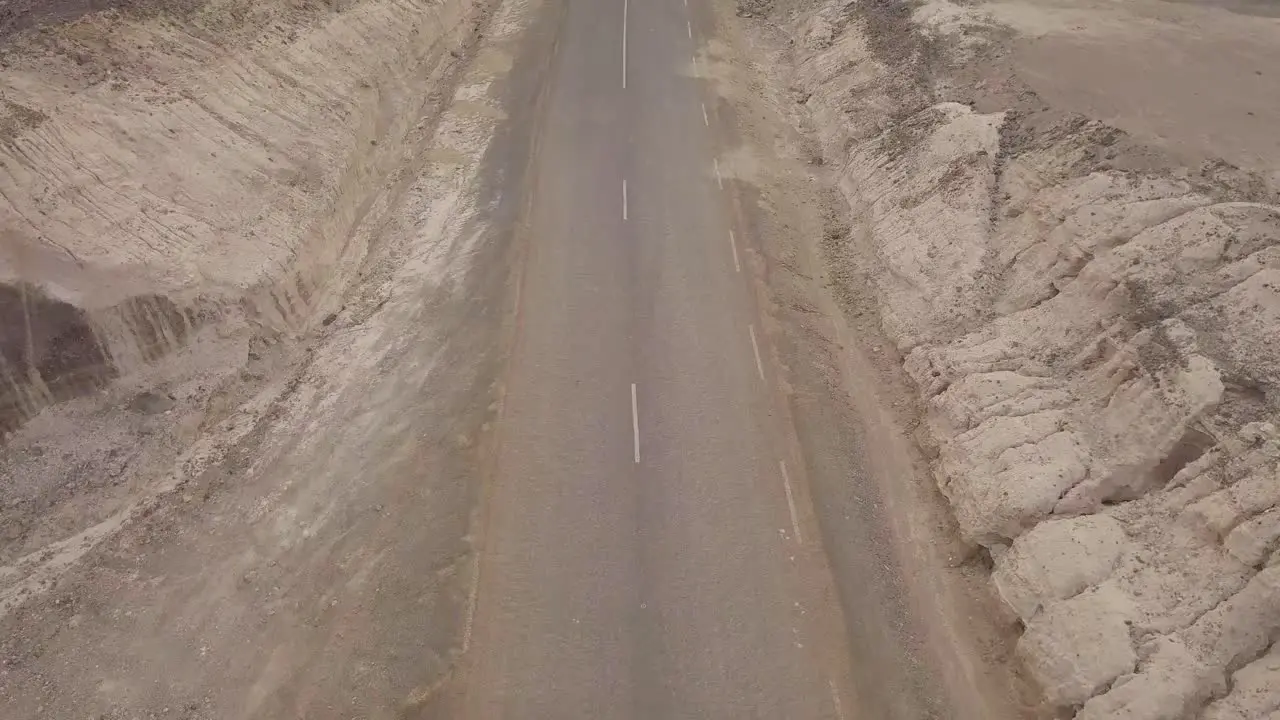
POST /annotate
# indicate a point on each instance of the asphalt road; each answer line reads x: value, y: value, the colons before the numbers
x: 642, y: 533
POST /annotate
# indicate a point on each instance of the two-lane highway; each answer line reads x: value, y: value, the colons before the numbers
x: 640, y: 550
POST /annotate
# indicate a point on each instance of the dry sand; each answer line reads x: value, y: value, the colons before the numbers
x: 243, y: 373
x: 218, y: 216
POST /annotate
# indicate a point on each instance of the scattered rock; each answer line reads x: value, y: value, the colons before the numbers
x: 1057, y: 560
x: 1077, y: 647
x: 151, y: 403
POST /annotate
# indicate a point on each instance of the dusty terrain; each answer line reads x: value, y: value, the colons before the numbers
x: 1065, y: 215
x: 253, y: 287
x: 244, y: 364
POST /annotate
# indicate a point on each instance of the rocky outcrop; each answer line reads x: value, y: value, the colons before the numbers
x: 1094, y: 349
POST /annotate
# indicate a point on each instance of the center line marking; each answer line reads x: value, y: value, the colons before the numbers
x: 472, y: 596
x: 635, y: 423
x: 705, y: 121
x: 734, y: 242
x: 755, y: 349
x: 791, y: 503
x: 624, y: 198
x: 689, y: 26
x: 719, y: 180
x: 624, y: 44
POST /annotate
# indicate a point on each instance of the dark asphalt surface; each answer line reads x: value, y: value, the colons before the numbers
x: 665, y: 587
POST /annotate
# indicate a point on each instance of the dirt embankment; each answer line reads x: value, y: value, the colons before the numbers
x: 244, y: 365
x: 1067, y: 214
x: 187, y: 191
x: 181, y: 166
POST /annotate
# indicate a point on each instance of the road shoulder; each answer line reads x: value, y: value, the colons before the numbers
x: 925, y: 635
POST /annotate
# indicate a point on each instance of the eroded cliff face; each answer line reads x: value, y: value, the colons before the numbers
x: 168, y: 169
x: 245, y: 352
x: 1090, y: 322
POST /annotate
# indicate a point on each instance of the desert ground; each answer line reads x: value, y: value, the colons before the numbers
x: 640, y: 359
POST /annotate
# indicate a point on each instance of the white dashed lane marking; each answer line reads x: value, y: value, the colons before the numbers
x: 635, y: 423
x: 755, y: 350
x: 791, y: 502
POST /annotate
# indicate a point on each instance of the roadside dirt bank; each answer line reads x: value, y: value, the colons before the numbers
x: 1068, y: 230
x: 925, y: 637
x: 263, y: 231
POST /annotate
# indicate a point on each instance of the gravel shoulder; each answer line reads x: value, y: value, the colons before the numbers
x: 923, y: 634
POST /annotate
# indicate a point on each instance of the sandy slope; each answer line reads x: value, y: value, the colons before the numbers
x: 187, y: 197
x: 163, y: 173
x: 264, y: 486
